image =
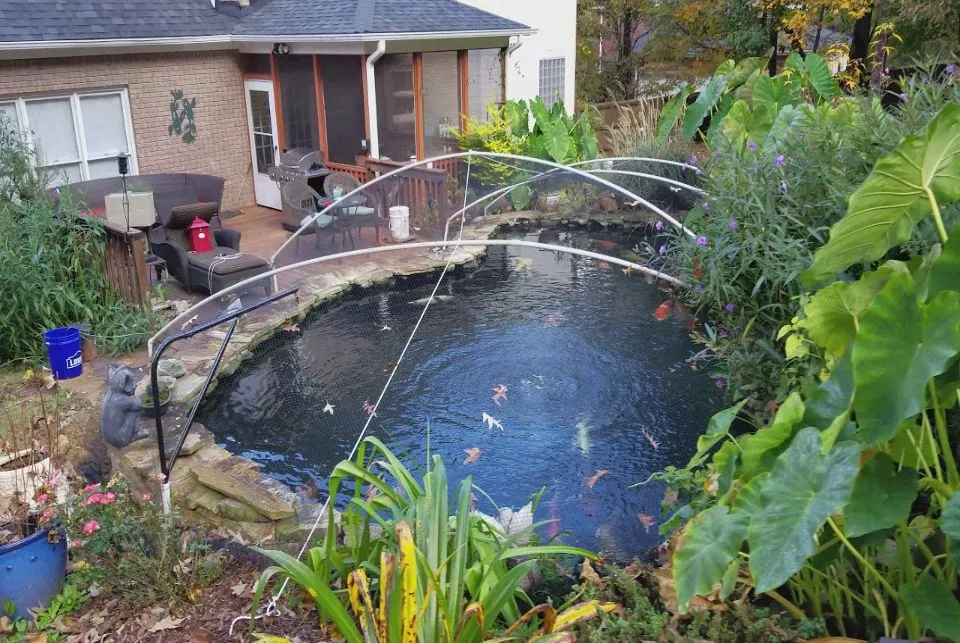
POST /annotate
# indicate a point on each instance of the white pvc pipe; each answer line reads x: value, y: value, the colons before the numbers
x: 165, y: 494
x: 407, y: 246
x: 372, y: 98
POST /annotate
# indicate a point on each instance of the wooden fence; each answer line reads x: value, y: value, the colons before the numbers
x: 124, y: 264
x: 424, y: 190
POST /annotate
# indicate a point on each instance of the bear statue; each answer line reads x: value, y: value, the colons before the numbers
x: 121, y: 409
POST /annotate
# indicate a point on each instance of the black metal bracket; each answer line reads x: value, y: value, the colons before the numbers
x: 234, y: 316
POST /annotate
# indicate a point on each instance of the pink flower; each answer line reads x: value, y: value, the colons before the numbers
x: 91, y: 487
x: 43, y: 498
x: 107, y: 498
x: 146, y: 497
x: 94, y: 499
x: 75, y: 543
x: 46, y: 515
x: 90, y: 527
x: 161, y: 477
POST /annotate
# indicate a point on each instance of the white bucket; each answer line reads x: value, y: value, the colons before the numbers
x: 399, y: 223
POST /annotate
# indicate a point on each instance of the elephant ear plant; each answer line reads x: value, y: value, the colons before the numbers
x: 435, y: 573
x: 846, y: 505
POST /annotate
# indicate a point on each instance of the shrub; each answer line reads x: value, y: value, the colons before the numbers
x: 51, y: 271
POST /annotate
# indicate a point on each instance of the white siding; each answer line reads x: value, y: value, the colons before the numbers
x: 556, y: 37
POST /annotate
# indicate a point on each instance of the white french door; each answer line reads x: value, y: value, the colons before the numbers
x: 262, y: 123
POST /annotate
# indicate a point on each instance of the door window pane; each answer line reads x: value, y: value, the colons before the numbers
x: 395, y: 114
x: 485, y: 84
x: 8, y: 116
x: 104, y: 129
x: 552, y: 75
x: 264, y: 149
x: 343, y: 103
x: 51, y: 123
x: 441, y: 101
x: 260, y: 111
x: 298, y: 100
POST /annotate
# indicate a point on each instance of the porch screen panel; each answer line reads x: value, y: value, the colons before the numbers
x: 396, y: 120
x: 343, y: 102
x: 441, y: 101
x: 298, y: 96
x: 485, y: 80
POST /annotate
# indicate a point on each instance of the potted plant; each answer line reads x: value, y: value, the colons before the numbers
x: 33, y: 544
x: 155, y: 410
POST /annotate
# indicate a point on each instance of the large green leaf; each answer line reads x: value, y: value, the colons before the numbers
x: 901, y: 345
x: 761, y: 449
x: 743, y: 124
x: 881, y: 497
x: 518, y: 117
x: 749, y: 502
x: 698, y: 111
x: 557, y: 141
x: 935, y: 606
x: 822, y: 81
x: 541, y: 115
x: 804, y: 488
x: 787, y: 120
x: 950, y: 524
x: 945, y: 271
x: 832, y: 315
x: 895, y: 196
x: 912, y: 447
x: 725, y: 464
x: 670, y: 114
x: 745, y: 70
x: 828, y: 407
x: 710, y: 541
x: 719, y: 118
x: 717, y: 429
x: 771, y: 92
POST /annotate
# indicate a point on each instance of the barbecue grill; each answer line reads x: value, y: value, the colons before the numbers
x: 299, y: 164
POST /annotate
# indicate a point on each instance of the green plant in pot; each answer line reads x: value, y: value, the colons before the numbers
x: 152, y: 409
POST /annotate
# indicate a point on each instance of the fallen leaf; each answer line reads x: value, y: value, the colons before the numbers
x: 290, y: 327
x: 491, y: 421
x: 472, y: 455
x: 650, y: 439
x: 499, y: 393
x: 645, y: 520
x: 634, y: 569
x: 369, y: 408
x: 94, y: 590
x: 166, y: 623
x: 239, y: 589
x: 39, y: 637
x: 388, y: 367
x: 592, y: 479
x: 589, y: 575
x: 671, y: 497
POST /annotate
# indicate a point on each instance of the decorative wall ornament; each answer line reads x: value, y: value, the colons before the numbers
x: 181, y: 116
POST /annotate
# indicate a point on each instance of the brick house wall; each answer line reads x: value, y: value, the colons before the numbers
x: 214, y: 78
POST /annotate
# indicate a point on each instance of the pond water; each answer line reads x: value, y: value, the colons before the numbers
x: 593, y: 382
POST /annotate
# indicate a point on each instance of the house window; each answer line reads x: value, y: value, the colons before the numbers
x: 552, y: 75
x: 76, y: 137
x: 485, y: 80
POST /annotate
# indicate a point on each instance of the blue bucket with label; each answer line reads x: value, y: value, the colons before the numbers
x: 63, y: 349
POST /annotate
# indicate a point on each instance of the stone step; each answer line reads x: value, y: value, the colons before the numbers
x: 232, y: 478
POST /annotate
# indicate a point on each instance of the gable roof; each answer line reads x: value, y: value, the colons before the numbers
x: 371, y: 17
x: 25, y: 21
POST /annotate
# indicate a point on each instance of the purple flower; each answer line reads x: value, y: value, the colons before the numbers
x: 903, y: 97
x: 752, y: 146
x: 702, y: 240
x: 693, y: 159
x: 720, y: 384
x: 732, y: 224
x: 658, y: 225
x: 663, y: 250
x: 783, y: 186
x: 952, y: 69
x: 729, y: 308
x: 779, y: 161
x: 705, y: 206
x: 698, y: 171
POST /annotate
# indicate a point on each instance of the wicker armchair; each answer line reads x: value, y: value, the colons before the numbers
x: 355, y: 211
x: 304, y: 203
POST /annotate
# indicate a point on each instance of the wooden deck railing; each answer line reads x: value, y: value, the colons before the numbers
x: 422, y: 189
x: 124, y: 264
x: 361, y: 174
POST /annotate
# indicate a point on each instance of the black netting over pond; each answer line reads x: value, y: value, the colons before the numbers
x: 553, y: 365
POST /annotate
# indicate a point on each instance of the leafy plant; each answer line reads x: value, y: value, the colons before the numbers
x: 867, y: 457
x: 69, y: 600
x: 427, y: 574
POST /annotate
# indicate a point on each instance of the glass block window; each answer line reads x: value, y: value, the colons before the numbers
x: 77, y: 137
x: 552, y: 74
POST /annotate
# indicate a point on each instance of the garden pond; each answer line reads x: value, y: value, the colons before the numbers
x: 554, y: 366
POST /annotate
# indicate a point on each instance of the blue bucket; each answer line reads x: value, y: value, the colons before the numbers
x: 63, y: 349
x: 32, y: 570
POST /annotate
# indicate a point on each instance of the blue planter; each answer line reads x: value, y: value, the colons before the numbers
x: 32, y: 571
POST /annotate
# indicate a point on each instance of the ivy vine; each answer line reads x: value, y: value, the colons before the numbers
x: 181, y: 116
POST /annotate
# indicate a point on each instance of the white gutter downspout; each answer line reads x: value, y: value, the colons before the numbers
x: 372, y: 98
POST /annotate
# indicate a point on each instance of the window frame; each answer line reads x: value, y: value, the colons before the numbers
x: 559, y: 95
x: 23, y: 124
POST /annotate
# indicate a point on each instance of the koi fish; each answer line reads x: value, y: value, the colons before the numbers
x: 603, y: 265
x: 650, y: 439
x: 499, y: 393
x: 646, y: 521
x: 663, y: 310
x: 592, y: 479
x: 424, y: 301
x: 608, y: 244
x: 551, y: 320
x: 472, y: 455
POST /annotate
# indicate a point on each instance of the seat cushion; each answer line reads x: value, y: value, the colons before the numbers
x: 224, y: 261
x: 183, y: 215
x: 358, y: 210
x: 322, y: 221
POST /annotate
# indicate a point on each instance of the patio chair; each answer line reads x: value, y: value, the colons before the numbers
x: 304, y: 202
x: 354, y: 211
x: 212, y: 271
